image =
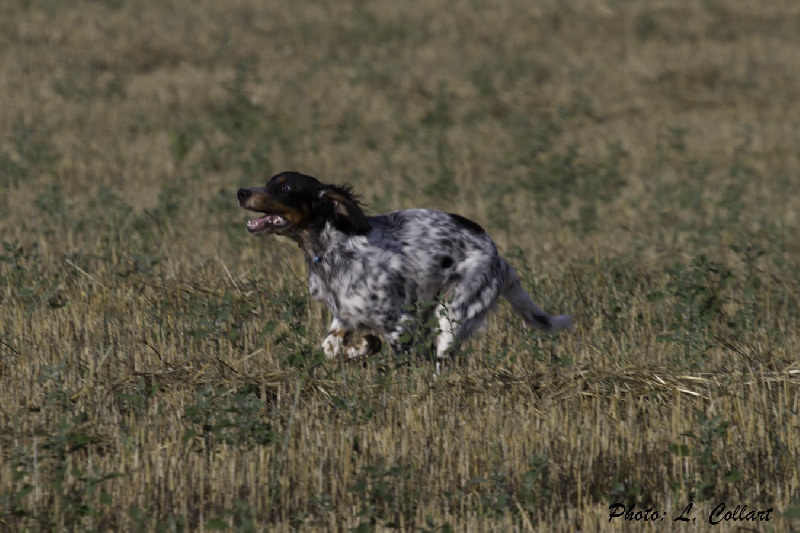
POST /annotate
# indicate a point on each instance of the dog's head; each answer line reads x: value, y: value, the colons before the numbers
x: 292, y: 203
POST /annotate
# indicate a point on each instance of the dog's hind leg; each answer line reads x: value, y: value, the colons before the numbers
x: 465, y: 307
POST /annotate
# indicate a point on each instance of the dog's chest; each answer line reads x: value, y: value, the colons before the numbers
x: 337, y: 285
x: 359, y: 287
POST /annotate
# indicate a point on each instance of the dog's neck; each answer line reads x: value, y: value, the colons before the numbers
x: 315, y: 243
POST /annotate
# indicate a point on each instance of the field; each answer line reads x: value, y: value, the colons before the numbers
x: 637, y: 162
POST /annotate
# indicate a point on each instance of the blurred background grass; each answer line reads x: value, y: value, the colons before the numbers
x: 637, y: 162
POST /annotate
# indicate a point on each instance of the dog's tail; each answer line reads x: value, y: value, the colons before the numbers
x: 522, y: 304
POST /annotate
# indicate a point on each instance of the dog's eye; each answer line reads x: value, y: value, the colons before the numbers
x: 285, y: 188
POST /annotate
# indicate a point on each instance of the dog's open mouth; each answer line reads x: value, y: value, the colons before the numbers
x: 267, y: 222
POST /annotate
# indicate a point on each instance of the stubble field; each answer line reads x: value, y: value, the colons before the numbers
x: 637, y: 162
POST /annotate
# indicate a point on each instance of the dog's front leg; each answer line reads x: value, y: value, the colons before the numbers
x: 369, y: 345
x: 334, y: 343
x: 337, y: 341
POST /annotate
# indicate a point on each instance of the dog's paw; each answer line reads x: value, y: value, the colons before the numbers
x: 332, y: 346
x: 369, y: 345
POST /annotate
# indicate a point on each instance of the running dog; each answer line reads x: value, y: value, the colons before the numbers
x: 379, y: 273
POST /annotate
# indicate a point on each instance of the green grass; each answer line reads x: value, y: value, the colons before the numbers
x: 635, y: 161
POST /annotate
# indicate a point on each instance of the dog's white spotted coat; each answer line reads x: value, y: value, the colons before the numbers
x: 390, y: 273
x: 410, y: 258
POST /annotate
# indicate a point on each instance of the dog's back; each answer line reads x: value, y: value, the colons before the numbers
x: 435, y: 248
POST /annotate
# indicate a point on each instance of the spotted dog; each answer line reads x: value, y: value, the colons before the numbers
x: 380, y: 272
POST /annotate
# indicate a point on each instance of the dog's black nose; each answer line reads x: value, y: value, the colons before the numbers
x: 243, y: 195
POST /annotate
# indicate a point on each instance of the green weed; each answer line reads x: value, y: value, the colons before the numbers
x: 703, y: 482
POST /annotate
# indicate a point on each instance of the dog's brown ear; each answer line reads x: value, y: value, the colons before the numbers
x: 345, y: 209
